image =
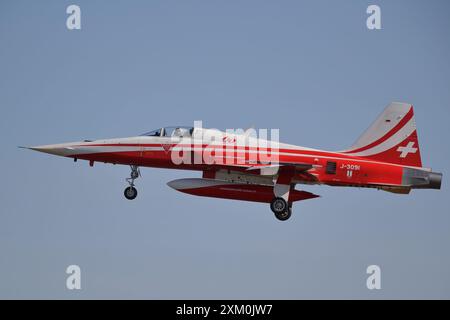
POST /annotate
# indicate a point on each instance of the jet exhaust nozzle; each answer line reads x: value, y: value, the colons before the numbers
x: 434, y: 180
x: 421, y: 179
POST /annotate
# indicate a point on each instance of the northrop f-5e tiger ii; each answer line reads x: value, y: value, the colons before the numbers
x: 385, y: 157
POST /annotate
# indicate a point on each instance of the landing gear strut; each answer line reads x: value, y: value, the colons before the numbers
x: 130, y: 192
x: 281, y: 209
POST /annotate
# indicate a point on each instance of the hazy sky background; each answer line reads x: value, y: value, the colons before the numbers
x: 310, y: 68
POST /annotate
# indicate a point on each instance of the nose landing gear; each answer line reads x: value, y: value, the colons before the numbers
x: 130, y: 192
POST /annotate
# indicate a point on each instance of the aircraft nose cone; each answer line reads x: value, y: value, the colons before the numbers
x: 55, y: 149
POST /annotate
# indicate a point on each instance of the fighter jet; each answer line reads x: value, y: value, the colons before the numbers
x: 242, y: 166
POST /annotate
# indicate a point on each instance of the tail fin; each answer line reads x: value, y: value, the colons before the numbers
x: 391, y: 138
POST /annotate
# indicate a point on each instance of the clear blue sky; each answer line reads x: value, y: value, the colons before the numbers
x: 310, y: 68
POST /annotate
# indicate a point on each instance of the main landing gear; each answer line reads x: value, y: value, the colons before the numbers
x: 130, y: 192
x: 281, y: 208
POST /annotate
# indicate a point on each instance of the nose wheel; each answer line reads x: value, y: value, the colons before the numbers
x: 281, y: 209
x: 131, y: 192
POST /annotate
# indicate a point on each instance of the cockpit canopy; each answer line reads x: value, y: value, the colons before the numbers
x: 170, y: 132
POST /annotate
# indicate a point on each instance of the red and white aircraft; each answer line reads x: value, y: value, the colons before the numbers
x: 386, y: 157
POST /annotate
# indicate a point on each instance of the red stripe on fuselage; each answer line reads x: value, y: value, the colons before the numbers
x: 225, y: 148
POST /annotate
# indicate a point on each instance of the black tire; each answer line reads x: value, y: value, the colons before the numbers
x: 284, y: 216
x: 281, y: 209
x: 130, y: 193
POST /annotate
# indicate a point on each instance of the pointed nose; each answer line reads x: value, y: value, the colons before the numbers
x: 64, y: 150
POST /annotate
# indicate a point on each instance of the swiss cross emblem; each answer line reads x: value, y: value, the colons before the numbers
x: 404, y: 151
x: 166, y: 147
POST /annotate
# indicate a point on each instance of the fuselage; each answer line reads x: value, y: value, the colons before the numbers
x: 331, y: 168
